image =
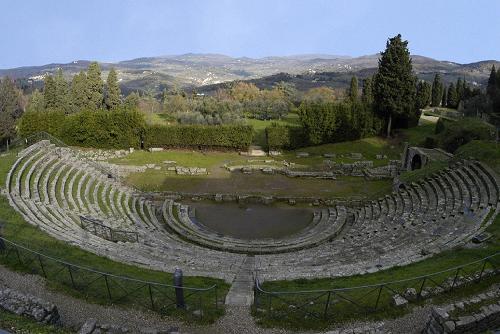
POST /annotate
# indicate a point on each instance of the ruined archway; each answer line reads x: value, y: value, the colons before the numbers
x: 416, y: 162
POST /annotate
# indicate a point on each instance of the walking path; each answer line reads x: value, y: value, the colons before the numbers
x: 241, y: 291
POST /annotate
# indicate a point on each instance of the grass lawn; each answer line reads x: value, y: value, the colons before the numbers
x: 17, y: 230
x: 187, y: 158
x: 259, y: 127
x: 261, y: 184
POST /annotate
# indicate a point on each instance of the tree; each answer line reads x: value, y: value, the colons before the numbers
x: 444, y: 96
x: 49, y: 92
x: 112, y: 90
x: 353, y: 89
x: 437, y: 91
x: 394, y: 86
x: 367, y: 93
x: 132, y: 101
x: 321, y: 93
x: 423, y: 96
x: 492, y: 87
x: 452, y: 99
x: 62, y: 100
x: 78, y: 92
x: 10, y: 108
x: 461, y: 88
x: 95, y: 85
x: 36, y: 102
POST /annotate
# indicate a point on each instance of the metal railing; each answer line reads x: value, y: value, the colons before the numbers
x: 341, y: 303
x: 198, y: 303
x: 97, y: 228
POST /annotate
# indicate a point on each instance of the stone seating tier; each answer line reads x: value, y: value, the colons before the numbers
x: 52, y: 186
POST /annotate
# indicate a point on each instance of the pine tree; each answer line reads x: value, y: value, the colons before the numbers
x: 493, y: 85
x: 394, y: 85
x: 367, y: 96
x: 94, y: 86
x: 437, y: 91
x: 353, y: 89
x: 50, y: 92
x: 452, y: 99
x: 444, y: 96
x: 112, y: 90
x: 78, y: 93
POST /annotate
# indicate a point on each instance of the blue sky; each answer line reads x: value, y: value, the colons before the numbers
x: 40, y: 32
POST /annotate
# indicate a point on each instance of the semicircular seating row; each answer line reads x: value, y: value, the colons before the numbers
x: 421, y: 219
x: 53, y: 186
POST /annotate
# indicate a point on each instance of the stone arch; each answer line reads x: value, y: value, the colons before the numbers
x: 416, y: 162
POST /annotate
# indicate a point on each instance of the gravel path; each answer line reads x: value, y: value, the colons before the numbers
x: 237, y: 320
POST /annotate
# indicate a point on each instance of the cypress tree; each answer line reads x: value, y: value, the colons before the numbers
x: 493, y: 85
x: 353, y: 89
x: 422, y: 98
x: 112, y: 90
x: 10, y: 108
x: 62, y: 101
x: 452, y: 99
x: 444, y: 97
x: 437, y: 91
x: 94, y: 86
x: 50, y: 92
x: 79, y: 99
x: 367, y: 92
x: 460, y: 87
x: 394, y: 84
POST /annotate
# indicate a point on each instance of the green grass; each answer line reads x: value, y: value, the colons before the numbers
x: 18, y: 324
x: 259, y: 127
x: 426, y: 171
x: 486, y: 151
x: 344, y: 187
x: 19, y: 231
x: 416, y: 136
x: 187, y: 158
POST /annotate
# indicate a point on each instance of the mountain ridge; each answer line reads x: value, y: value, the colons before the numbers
x: 197, y: 70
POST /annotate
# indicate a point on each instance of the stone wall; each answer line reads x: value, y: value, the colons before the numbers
x: 29, y: 306
x: 450, y: 319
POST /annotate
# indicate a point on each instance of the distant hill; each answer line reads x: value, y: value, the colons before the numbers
x: 208, y: 71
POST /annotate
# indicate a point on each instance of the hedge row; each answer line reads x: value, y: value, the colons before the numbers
x: 218, y: 136
x: 126, y: 128
x: 99, y: 129
x: 285, y: 137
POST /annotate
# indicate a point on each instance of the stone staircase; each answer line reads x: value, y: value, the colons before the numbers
x: 241, y: 291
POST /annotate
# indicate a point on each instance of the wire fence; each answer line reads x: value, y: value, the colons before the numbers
x: 198, y: 303
x: 338, y: 304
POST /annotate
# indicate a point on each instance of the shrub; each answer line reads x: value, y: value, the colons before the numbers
x: 456, y: 134
x: 285, y: 137
x: 215, y: 136
x: 119, y: 128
